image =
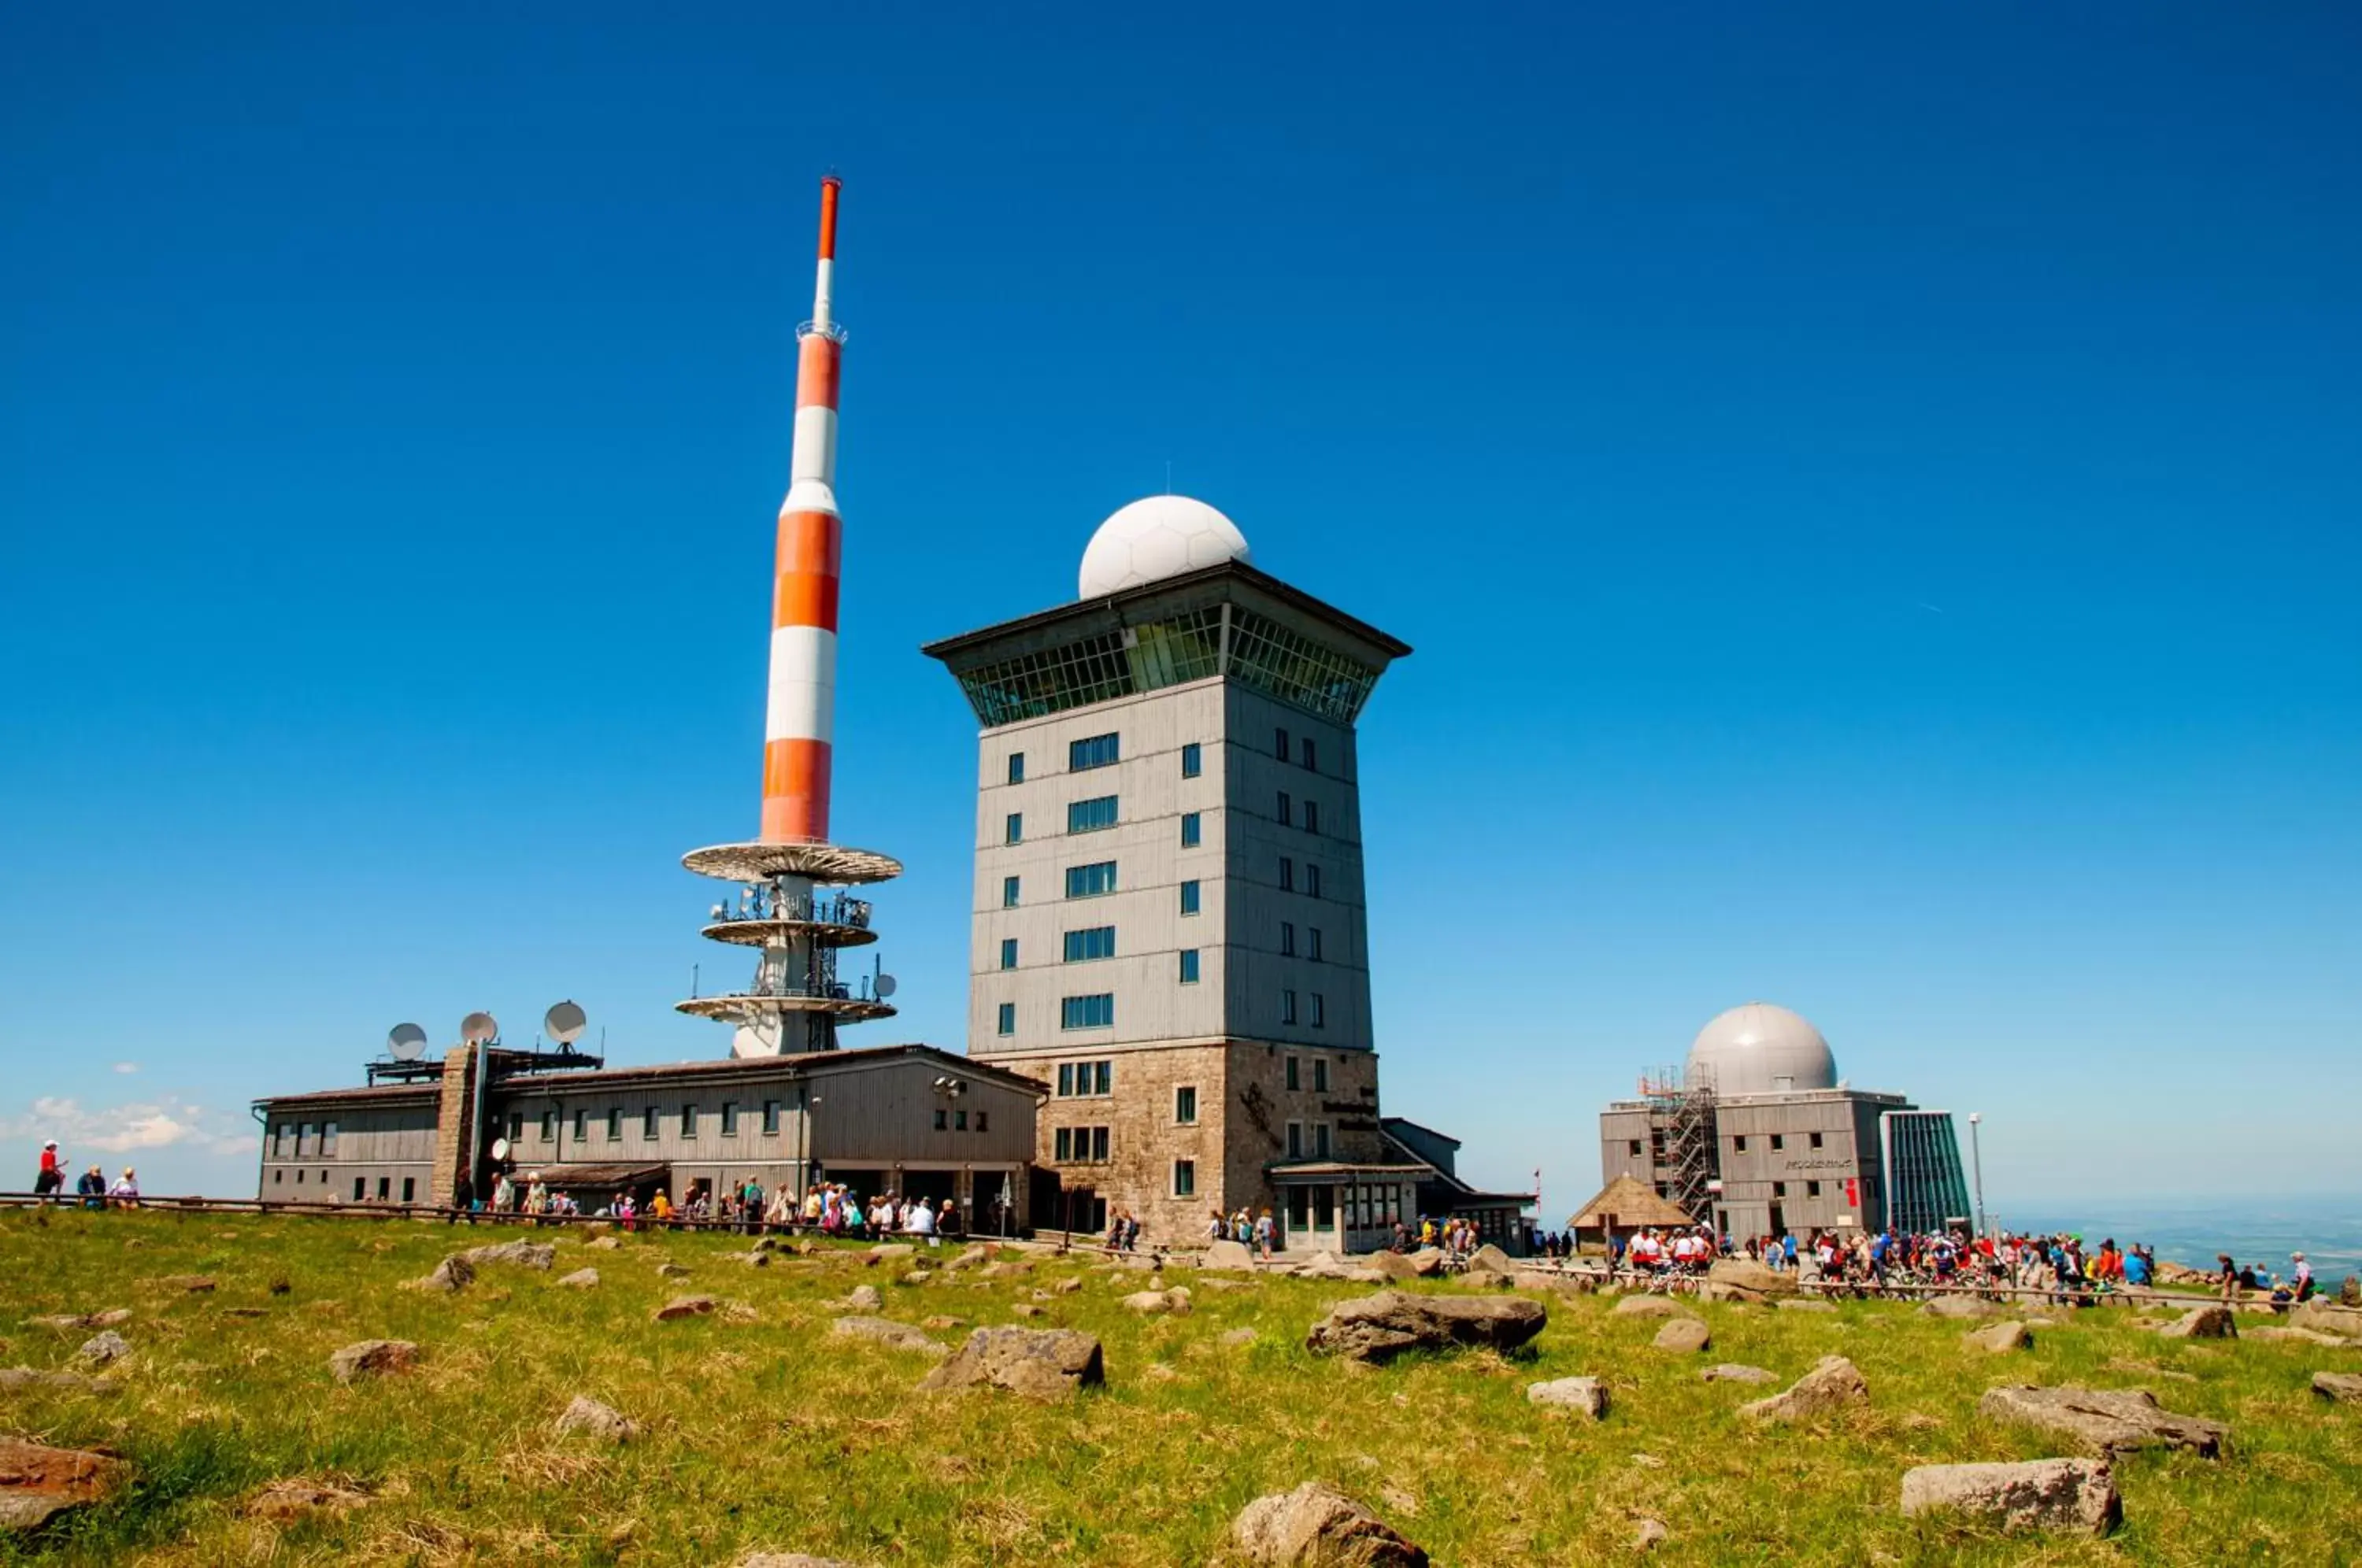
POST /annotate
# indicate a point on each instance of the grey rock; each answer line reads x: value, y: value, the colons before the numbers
x: 525, y: 1254
x: 372, y: 1358
x: 1147, y: 1301
x: 580, y: 1279
x: 1027, y: 1309
x: 1396, y: 1266
x: 1228, y: 1254
x: 73, y: 1320
x: 1649, y: 1534
x: 1732, y: 1372
x: 1960, y: 1306
x: 2213, y: 1322
x: 891, y: 1334
x: 1834, y: 1383
x: 2329, y: 1319
x: 866, y: 1299
x: 1683, y: 1336
x: 453, y: 1274
x: 588, y: 1416
x: 888, y: 1252
x: 37, y: 1483
x: 2104, y: 1421
x: 104, y: 1349
x: 1317, y: 1525
x: 685, y: 1307
x: 2077, y: 1494
x: 18, y: 1379
x: 1238, y: 1339
x: 1587, y: 1395
x: 671, y: 1271
x: 603, y: 1244
x: 1041, y: 1363
x: 2338, y: 1387
x: 1490, y: 1259
x: 1379, y: 1327
x: 1646, y: 1306
x: 1806, y: 1304
x: 752, y: 1260
x: 2281, y: 1334
x: 1068, y: 1286
x: 2010, y: 1336
x: 1749, y: 1281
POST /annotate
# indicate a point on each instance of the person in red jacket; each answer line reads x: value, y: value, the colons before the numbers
x: 53, y: 1176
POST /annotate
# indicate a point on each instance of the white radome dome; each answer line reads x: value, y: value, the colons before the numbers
x: 1156, y: 537
x: 1761, y: 1049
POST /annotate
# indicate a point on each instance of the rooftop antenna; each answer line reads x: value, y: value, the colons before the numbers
x: 564, y: 1023
x: 406, y: 1043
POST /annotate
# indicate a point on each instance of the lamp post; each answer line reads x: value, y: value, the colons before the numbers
x: 1976, y: 1164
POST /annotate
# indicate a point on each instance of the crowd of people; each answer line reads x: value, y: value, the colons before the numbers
x: 830, y: 1208
x: 91, y: 1189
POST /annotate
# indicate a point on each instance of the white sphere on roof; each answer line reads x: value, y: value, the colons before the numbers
x: 1157, y: 536
x: 1760, y: 1049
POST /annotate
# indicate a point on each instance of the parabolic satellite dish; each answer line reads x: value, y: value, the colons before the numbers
x: 565, y: 1022
x: 479, y: 1027
x: 885, y: 987
x: 500, y: 1148
x: 406, y: 1043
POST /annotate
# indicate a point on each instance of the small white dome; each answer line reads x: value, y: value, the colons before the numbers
x: 1158, y: 536
x: 1760, y: 1049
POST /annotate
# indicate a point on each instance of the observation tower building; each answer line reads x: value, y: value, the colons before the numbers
x: 791, y: 905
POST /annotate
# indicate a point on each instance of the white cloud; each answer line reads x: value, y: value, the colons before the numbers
x: 126, y: 1067
x: 167, y: 1122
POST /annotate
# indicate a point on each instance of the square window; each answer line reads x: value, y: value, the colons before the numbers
x: 1319, y: 1075
x: 1312, y: 943
x: 1017, y: 767
x: 1312, y: 880
x: 648, y: 1122
x: 730, y: 1118
x: 1812, y: 1189
x: 1098, y: 751
x: 770, y: 1118
x: 1184, y: 1178
x: 1189, y: 896
x: 1320, y: 1011
x: 1633, y: 1147
x: 1190, y: 832
x: 1008, y: 1019
x: 1288, y: 1009
x: 1287, y: 811
x: 1739, y: 1144
x: 1287, y: 875
x: 1816, y: 1139
x: 1311, y: 758
x: 1778, y: 1141
x: 1192, y: 761
x: 1779, y: 1190
x: 1009, y: 886
x: 1311, y: 816
x: 1293, y: 1083
x: 688, y: 1121
x: 1296, y: 1140
x: 1008, y: 953
x: 1188, y: 965
x: 1287, y: 939
x: 1185, y: 1105
x: 1013, y: 830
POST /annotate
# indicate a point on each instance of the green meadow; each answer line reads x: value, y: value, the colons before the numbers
x: 759, y: 1431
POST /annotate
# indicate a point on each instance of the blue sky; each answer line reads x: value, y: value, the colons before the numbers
x: 1873, y: 494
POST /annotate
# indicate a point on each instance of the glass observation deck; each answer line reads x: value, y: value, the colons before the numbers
x: 768, y: 916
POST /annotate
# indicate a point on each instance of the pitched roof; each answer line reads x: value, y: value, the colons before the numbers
x: 1632, y: 1203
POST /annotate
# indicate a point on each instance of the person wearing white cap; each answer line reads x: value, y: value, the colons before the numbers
x: 53, y: 1176
x: 2304, y: 1280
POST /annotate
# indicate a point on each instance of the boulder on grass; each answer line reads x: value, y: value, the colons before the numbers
x: 2329, y: 1319
x: 452, y: 1275
x: 1646, y: 1306
x: 1683, y: 1336
x: 1227, y: 1254
x: 1587, y: 1395
x: 2213, y: 1322
x: 1041, y: 1363
x: 2104, y: 1422
x: 372, y: 1358
x: 590, y: 1418
x: 15, y: 1379
x: 1379, y: 1327
x: 580, y: 1279
x: 1396, y: 1266
x: 2338, y: 1387
x: 1832, y: 1385
x: 104, y: 1349
x: 1316, y: 1525
x: 2077, y: 1494
x: 291, y: 1499
x: 2277, y: 1333
x: 1747, y: 1280
x: 2010, y: 1336
x: 685, y: 1307
x: 864, y: 1299
x: 1806, y: 1304
x: 525, y: 1254
x: 1490, y: 1259
x: 1960, y: 1306
x: 891, y: 1334
x: 889, y: 1252
x: 39, y: 1482
x: 1732, y: 1372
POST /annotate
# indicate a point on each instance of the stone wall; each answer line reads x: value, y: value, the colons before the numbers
x: 451, y: 1119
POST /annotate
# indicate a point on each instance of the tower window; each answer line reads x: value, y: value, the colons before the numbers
x: 1287, y: 939
x: 1779, y: 1141
x: 1013, y: 829
x: 1287, y: 875
x: 1287, y: 1009
x: 1090, y: 816
x: 1192, y: 761
x: 648, y: 1128
x: 1319, y: 1075
x: 1310, y: 757
x: 1184, y: 1178
x: 1190, y: 832
x: 1321, y: 1140
x: 1008, y: 953
x: 1296, y: 1140
x: 1287, y: 811
x: 1095, y: 1012
x: 1312, y: 880
x: 730, y: 1118
x: 688, y: 1121
x: 1292, y: 1073
x: 1008, y: 1021
x: 1098, y: 751
x: 770, y: 1118
x: 1009, y: 886
x: 1738, y: 1144
x: 1017, y: 767
x: 1189, y: 896
x: 614, y: 1125
x: 1312, y: 943
x: 1279, y: 745
x: 1184, y: 1104
x: 1090, y: 881
x: 1311, y: 816
x: 1816, y: 1139
x: 1320, y: 1011
x: 1097, y: 941
x: 1188, y: 965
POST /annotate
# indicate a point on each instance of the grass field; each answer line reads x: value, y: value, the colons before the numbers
x: 761, y: 1431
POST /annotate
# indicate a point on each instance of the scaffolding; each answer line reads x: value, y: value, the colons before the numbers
x: 1681, y: 1138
